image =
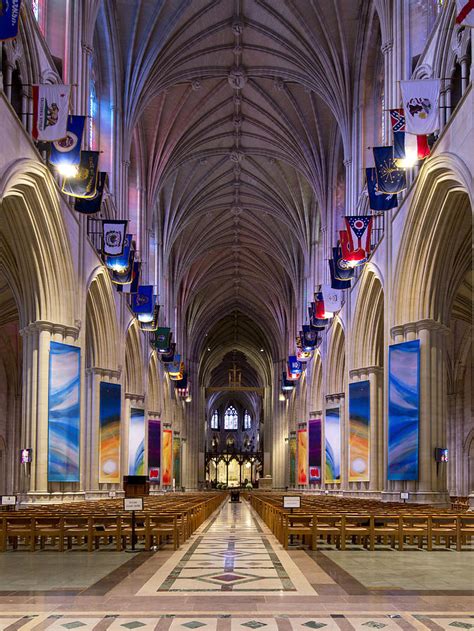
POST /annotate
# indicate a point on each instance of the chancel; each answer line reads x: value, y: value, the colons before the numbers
x: 236, y: 315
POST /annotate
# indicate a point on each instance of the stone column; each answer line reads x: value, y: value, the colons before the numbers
x: 37, y: 337
x: 432, y: 478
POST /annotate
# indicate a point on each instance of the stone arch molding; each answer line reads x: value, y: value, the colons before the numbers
x: 439, y: 208
x: 368, y: 318
x: 134, y: 363
x: 102, y: 331
x: 36, y: 254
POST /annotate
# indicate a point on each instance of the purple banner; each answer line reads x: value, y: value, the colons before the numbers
x: 154, y: 450
x: 314, y: 448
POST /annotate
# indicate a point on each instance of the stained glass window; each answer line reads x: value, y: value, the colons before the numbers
x: 231, y: 418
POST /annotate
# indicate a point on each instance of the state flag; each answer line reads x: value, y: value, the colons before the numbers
x: 92, y: 205
x: 390, y: 177
x: 9, y: 19
x: 378, y: 201
x: 421, y: 105
x: 407, y: 146
x: 84, y: 183
x: 50, y: 111
x: 465, y: 12
x: 67, y: 150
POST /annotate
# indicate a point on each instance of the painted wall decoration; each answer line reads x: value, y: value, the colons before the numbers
x: 154, y: 450
x: 167, y: 458
x: 64, y: 413
x: 177, y: 460
x: 292, y: 453
x: 332, y: 431
x: 136, y: 442
x: 109, y: 432
x: 314, y: 450
x: 302, y: 456
x: 359, y: 431
x: 403, y: 410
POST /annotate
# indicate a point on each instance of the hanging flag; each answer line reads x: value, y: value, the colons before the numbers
x: 149, y: 322
x: 319, y: 309
x: 342, y: 269
x: 132, y: 286
x: 286, y: 384
x: 465, y: 12
x: 115, y: 242
x: 332, y: 300
x: 123, y: 276
x: 406, y: 146
x: 378, y: 201
x: 303, y: 356
x: 142, y: 301
x: 336, y: 283
x: 162, y: 340
x: 390, y: 177
x: 421, y: 105
x: 174, y: 366
x: 9, y: 18
x: 294, y: 366
x: 93, y: 205
x: 355, y: 240
x: 84, y: 184
x: 50, y: 111
x: 310, y: 338
x: 167, y: 358
x: 318, y: 324
x: 67, y: 150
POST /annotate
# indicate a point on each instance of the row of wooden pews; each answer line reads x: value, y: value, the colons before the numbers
x: 165, y: 519
x: 342, y: 521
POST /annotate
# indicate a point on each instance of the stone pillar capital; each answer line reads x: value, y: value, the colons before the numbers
x: 52, y: 328
x: 108, y: 373
x: 136, y: 398
x: 368, y: 370
x: 426, y: 324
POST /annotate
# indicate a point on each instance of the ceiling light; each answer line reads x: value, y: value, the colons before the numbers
x: 208, y: 349
x: 262, y: 350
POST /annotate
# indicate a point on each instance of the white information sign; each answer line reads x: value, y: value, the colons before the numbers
x: 133, y: 503
x: 404, y: 496
x: 291, y: 501
x: 8, y: 500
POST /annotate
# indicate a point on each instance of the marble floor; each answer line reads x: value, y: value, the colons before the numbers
x: 233, y: 575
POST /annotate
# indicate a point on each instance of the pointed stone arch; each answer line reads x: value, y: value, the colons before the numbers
x: 367, y: 336
x: 102, y: 331
x: 134, y: 382
x: 437, y: 230
x: 35, y: 253
x: 336, y: 360
x: 316, y: 392
x: 155, y: 385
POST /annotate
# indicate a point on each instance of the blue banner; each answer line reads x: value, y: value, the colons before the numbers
x: 142, y: 301
x: 390, y: 178
x: 378, y: 201
x: 403, y: 410
x: 67, y: 151
x: 9, y: 18
x: 64, y: 413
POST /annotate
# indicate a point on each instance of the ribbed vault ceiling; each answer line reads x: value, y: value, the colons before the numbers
x: 237, y: 111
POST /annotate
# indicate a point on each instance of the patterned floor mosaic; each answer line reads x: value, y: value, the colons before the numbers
x: 328, y: 622
x: 232, y: 555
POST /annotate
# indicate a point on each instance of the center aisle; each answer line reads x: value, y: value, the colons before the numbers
x: 232, y: 554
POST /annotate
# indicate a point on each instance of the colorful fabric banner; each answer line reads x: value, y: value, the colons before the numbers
x: 67, y: 150
x: 403, y: 410
x: 84, y: 184
x: 378, y: 201
x: 332, y: 300
x: 302, y: 456
x: 162, y: 340
x: 93, y: 205
x: 390, y: 177
x: 50, y: 111
x: 359, y: 431
x: 154, y: 450
x: 142, y: 301
x: 177, y: 460
x: 109, y: 432
x: 421, y: 105
x: 167, y: 458
x: 355, y: 239
x: 292, y: 458
x: 332, y: 432
x: 9, y: 19
x: 314, y: 450
x: 64, y: 413
x: 136, y: 442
